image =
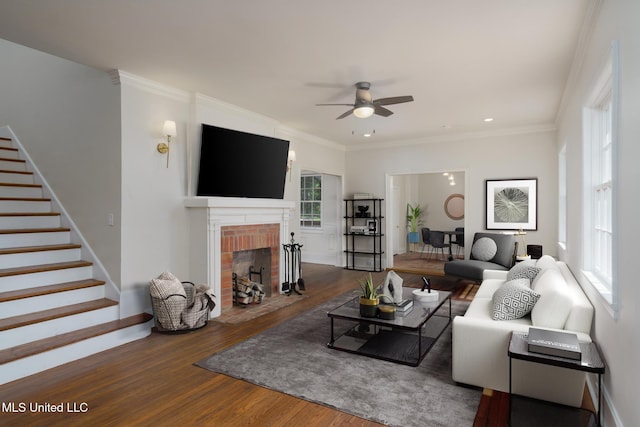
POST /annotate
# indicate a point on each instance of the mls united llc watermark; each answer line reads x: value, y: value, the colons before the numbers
x: 44, y: 407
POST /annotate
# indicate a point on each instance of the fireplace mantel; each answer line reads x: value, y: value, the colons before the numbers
x: 207, y: 215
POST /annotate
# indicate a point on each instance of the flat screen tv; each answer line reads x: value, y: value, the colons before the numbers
x: 240, y: 164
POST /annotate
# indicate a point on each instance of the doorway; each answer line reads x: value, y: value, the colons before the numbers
x: 321, y: 231
x: 433, y: 192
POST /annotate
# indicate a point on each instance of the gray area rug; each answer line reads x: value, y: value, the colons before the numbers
x: 293, y: 358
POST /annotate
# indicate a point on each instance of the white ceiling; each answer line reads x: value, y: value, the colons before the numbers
x: 462, y: 60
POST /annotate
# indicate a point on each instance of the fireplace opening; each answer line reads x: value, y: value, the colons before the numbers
x: 252, y: 275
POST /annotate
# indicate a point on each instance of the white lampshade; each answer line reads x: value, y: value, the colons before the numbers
x: 169, y: 128
x: 364, y: 111
x: 292, y: 156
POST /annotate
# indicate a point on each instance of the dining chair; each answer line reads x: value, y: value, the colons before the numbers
x: 459, y: 241
x: 426, y: 240
x: 437, y: 241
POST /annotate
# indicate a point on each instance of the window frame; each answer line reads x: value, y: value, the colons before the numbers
x: 304, y: 202
x: 600, y: 135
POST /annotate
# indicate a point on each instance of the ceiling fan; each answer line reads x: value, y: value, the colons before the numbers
x: 365, y: 106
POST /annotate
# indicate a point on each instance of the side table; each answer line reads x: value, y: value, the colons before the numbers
x: 591, y: 362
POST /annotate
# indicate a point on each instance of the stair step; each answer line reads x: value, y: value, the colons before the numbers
x: 43, y: 248
x: 68, y: 338
x: 17, y: 220
x: 35, y: 230
x: 8, y: 189
x: 12, y: 164
x: 5, y: 272
x: 25, y: 204
x: 54, y: 313
x: 50, y: 289
x: 16, y: 176
x: 8, y: 152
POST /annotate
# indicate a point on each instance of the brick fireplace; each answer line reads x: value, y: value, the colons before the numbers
x: 220, y: 226
x: 238, y: 238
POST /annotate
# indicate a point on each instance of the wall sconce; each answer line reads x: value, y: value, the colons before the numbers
x: 169, y: 129
x: 290, y: 159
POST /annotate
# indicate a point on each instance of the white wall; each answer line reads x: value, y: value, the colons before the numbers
x: 67, y: 116
x: 154, y: 219
x: 618, y: 339
x: 524, y: 155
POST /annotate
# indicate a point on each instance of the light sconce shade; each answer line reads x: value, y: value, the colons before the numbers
x: 169, y: 129
x: 290, y: 159
x: 364, y: 111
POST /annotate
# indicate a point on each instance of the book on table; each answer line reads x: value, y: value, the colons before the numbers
x: 554, y: 343
x: 405, y: 305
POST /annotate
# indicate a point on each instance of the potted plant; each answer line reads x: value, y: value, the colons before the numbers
x: 369, y: 299
x: 413, y: 221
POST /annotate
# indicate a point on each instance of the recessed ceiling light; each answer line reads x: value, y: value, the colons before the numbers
x: 488, y: 119
x: 445, y: 173
x: 452, y: 183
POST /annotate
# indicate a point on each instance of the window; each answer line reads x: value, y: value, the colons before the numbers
x: 599, y: 182
x: 311, y: 201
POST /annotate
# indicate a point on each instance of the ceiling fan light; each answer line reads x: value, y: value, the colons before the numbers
x: 363, y: 112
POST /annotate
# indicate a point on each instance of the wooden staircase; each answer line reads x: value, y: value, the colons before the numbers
x: 52, y: 309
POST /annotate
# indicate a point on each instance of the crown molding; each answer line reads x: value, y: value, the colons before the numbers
x: 550, y: 127
x: 120, y: 77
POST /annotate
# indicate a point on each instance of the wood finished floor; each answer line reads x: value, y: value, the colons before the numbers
x: 152, y: 382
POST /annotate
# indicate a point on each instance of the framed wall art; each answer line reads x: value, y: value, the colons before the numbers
x: 512, y: 204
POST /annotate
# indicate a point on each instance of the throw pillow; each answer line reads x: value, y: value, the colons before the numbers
x: 523, y: 270
x: 555, y: 304
x: 484, y: 249
x: 513, y: 300
x: 166, y: 285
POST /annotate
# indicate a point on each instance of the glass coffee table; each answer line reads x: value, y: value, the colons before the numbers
x: 405, y: 339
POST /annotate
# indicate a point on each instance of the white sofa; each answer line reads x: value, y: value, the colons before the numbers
x: 480, y: 343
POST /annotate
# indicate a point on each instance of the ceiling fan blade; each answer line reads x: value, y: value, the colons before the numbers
x: 345, y: 105
x: 345, y: 114
x: 381, y: 111
x: 393, y: 100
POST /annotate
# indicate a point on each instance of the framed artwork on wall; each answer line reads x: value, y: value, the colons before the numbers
x: 512, y: 204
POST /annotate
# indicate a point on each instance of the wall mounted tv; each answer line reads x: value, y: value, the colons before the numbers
x: 240, y: 164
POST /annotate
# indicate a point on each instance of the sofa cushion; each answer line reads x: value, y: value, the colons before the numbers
x: 484, y: 249
x: 471, y: 269
x: 513, y: 300
x: 506, y: 248
x: 523, y: 270
x: 555, y: 303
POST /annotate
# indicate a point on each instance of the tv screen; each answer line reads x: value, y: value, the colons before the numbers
x: 240, y: 164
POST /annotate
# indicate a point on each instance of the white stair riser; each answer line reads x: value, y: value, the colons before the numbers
x: 17, y: 240
x: 40, y: 362
x: 17, y: 222
x: 62, y: 325
x: 25, y: 259
x: 16, y: 178
x: 18, y: 206
x: 5, y: 143
x: 25, y: 192
x: 7, y: 165
x: 8, y: 154
x: 46, y: 302
x: 26, y: 281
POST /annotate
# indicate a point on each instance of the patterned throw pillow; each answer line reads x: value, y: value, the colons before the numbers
x: 513, y: 300
x: 523, y: 270
x: 484, y: 249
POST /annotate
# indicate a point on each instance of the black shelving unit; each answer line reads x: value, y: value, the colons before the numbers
x: 364, y: 240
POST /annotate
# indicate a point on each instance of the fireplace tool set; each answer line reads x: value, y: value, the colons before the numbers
x: 292, y: 268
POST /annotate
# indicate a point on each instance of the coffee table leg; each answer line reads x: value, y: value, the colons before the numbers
x: 332, y: 339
